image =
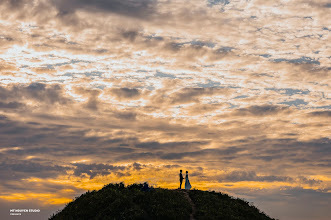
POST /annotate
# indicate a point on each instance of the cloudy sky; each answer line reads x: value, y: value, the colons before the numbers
x: 237, y: 92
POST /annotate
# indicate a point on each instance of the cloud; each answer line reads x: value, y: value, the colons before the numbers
x: 236, y: 92
x: 237, y: 176
x: 48, y: 94
x: 11, y: 105
x: 187, y: 95
x: 92, y: 170
x: 125, y: 93
x: 191, y: 94
x: 18, y: 169
x: 170, y: 145
x: 217, y: 2
x: 226, y: 154
x: 262, y: 110
x: 325, y: 114
x: 138, y: 9
x: 299, y: 60
x: 92, y: 95
x: 300, y: 202
x: 137, y: 166
x: 16, y: 3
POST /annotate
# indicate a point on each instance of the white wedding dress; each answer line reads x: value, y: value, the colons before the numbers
x: 187, y: 183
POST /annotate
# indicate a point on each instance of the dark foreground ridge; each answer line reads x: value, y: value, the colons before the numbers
x: 115, y: 201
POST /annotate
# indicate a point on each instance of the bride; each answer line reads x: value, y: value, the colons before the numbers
x: 187, y: 182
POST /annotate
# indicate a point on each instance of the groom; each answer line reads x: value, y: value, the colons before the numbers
x: 180, y: 179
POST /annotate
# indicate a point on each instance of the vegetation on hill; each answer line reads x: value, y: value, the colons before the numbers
x: 212, y: 205
x: 115, y: 201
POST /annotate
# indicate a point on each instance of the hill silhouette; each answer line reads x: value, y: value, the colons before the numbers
x: 138, y: 201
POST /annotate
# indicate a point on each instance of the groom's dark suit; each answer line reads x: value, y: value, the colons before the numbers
x: 180, y: 180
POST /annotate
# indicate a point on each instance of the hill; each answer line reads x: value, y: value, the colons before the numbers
x: 115, y: 201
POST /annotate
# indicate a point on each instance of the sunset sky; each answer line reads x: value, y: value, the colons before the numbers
x: 237, y: 92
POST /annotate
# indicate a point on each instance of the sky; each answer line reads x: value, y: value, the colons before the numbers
x: 237, y: 92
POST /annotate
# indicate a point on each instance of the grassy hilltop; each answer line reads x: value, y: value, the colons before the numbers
x: 115, y: 201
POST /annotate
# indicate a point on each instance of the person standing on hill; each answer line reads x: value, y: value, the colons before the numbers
x: 187, y: 182
x: 180, y: 179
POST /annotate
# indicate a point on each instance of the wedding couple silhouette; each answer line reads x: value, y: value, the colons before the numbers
x: 187, y: 181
